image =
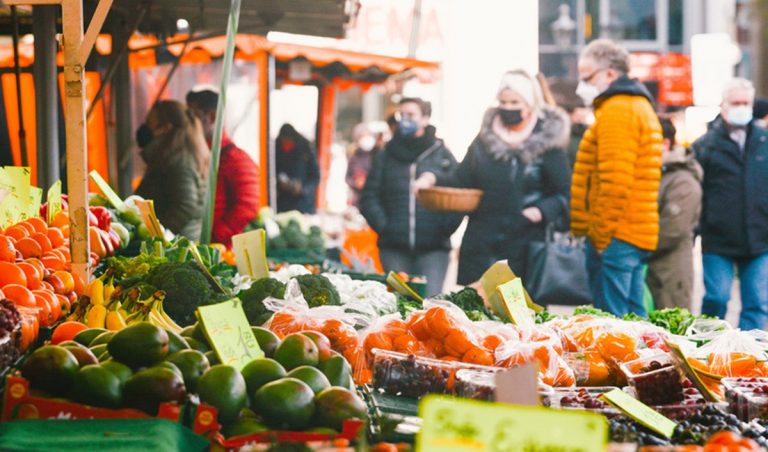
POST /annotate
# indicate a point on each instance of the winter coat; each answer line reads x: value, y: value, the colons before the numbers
x: 734, y: 219
x: 618, y: 168
x: 389, y: 204
x: 300, y: 163
x: 537, y: 174
x: 670, y: 267
x: 237, y: 193
x: 178, y: 192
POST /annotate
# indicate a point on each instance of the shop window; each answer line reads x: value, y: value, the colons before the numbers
x: 675, y: 22
x: 632, y: 20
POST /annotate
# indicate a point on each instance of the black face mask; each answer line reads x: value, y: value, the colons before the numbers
x: 510, y: 117
x: 143, y: 135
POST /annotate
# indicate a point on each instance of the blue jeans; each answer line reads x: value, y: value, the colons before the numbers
x: 753, y: 277
x: 616, y: 278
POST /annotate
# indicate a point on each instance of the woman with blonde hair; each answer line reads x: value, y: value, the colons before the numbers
x: 177, y: 159
x: 519, y: 161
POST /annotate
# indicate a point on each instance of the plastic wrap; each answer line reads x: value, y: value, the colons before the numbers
x: 732, y: 353
x: 542, y: 346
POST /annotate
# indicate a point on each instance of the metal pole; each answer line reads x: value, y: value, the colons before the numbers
x: 413, y: 43
x: 46, y: 95
x: 270, y: 141
x: 17, y: 72
x: 229, y: 55
x: 121, y: 88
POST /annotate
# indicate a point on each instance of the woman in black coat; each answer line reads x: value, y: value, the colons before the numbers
x: 519, y: 161
x: 298, y: 173
x: 411, y: 239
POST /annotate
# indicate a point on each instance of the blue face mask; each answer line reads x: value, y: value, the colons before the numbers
x: 407, y: 127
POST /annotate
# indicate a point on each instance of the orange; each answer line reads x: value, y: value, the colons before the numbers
x: 64, y: 301
x: 7, y: 250
x: 67, y: 279
x: 457, y: 343
x: 67, y: 331
x: 42, y: 240
x: 477, y: 355
x: 492, y: 341
x: 52, y: 301
x: 44, y: 315
x: 29, y: 248
x: 37, y: 224
x: 17, y: 232
x: 435, y: 347
x: 65, y: 231
x: 395, y: 327
x: 53, y: 262
x: 12, y: 274
x: 618, y: 346
x: 378, y: 340
x: 33, y: 276
x: 38, y: 265
x: 405, y: 343
x: 30, y: 230
x: 20, y: 295
x: 599, y: 374
x: 61, y: 219
x: 417, y: 324
x: 56, y: 283
x: 79, y: 284
x: 56, y: 237
x: 440, y: 324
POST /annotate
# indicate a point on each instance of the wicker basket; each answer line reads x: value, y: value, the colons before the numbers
x: 447, y: 199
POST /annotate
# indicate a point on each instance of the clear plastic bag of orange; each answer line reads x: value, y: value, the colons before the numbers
x: 733, y: 353
x: 541, y: 346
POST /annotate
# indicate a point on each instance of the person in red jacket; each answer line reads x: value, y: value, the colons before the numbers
x: 237, y: 185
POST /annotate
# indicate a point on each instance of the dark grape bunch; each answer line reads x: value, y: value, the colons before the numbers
x: 474, y: 386
x: 658, y: 384
x: 581, y: 398
x: 409, y: 377
x: 694, y: 430
x: 10, y: 323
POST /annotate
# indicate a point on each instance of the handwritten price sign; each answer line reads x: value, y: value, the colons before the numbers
x: 513, y: 295
x: 463, y: 425
x: 228, y: 331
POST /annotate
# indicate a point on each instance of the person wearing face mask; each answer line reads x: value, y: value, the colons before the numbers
x: 411, y: 238
x: 670, y: 267
x: 177, y: 161
x: 360, y: 161
x: 298, y: 173
x: 519, y: 161
x: 614, y: 194
x: 734, y: 220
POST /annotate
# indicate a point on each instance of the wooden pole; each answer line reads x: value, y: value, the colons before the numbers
x: 229, y: 55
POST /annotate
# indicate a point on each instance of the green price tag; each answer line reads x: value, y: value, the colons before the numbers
x: 148, y: 216
x: 690, y: 372
x: 35, y: 198
x: 227, y: 330
x: 250, y: 250
x: 513, y: 295
x: 400, y: 286
x: 640, y: 412
x: 453, y: 425
x: 112, y: 197
x: 54, y: 200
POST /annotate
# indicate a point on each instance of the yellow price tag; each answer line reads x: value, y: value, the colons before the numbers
x: 228, y: 331
x: 453, y: 425
x: 396, y: 282
x: 110, y: 194
x: 640, y: 412
x: 54, y: 200
x: 513, y: 296
x: 35, y: 198
x: 148, y: 216
x: 250, y: 250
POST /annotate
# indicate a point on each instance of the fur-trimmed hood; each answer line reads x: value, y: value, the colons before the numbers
x: 551, y: 131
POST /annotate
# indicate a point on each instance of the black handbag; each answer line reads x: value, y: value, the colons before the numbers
x: 556, y: 272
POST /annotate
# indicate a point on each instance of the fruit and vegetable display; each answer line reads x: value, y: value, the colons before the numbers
x: 288, y: 231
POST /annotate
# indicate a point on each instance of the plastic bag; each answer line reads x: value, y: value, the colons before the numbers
x: 364, y: 295
x: 542, y: 346
x: 733, y: 353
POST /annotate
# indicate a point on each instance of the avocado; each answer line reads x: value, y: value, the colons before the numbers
x: 86, y: 336
x: 286, y: 404
x: 335, y: 405
x: 102, y: 338
x: 213, y: 358
x: 338, y: 371
x: 192, y: 364
x: 97, y: 386
x: 223, y: 387
x: 197, y: 345
x: 261, y: 371
x: 187, y: 331
x: 138, y: 345
x: 268, y: 341
x: 98, y: 349
x: 176, y: 342
x: 245, y: 426
x: 297, y: 350
x: 171, y: 366
x: 83, y: 355
x: 50, y: 368
x: 121, y: 371
x: 311, y: 376
x: 148, y: 388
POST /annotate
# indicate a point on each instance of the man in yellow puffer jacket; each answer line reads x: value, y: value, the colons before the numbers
x: 616, y: 178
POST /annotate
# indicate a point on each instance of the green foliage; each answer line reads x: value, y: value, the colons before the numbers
x: 318, y: 290
x: 253, y: 299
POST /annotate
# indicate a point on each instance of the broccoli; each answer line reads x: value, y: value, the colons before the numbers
x: 316, y: 240
x: 277, y: 243
x: 318, y: 290
x: 470, y: 302
x: 253, y: 299
x: 129, y: 267
x: 294, y: 236
x: 186, y: 288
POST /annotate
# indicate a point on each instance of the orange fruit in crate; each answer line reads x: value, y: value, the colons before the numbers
x: 52, y: 300
x: 45, y: 312
x: 67, y: 331
x: 7, y: 249
x: 12, y: 274
x: 30, y: 230
x: 17, y: 232
x: 53, y: 262
x: 67, y: 279
x: 34, y: 278
x: 457, y: 343
x: 43, y: 241
x: 20, y: 295
x: 439, y: 322
x: 56, y: 237
x: 37, y: 224
x: 64, y: 301
x: 61, y: 219
x: 29, y: 248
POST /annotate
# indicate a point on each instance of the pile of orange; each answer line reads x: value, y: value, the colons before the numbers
x: 731, y: 364
x: 35, y: 274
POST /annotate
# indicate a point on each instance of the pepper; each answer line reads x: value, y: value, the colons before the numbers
x: 103, y: 217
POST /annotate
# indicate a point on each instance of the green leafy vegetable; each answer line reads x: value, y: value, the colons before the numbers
x: 470, y: 302
x: 591, y: 310
x: 253, y: 299
x: 318, y: 290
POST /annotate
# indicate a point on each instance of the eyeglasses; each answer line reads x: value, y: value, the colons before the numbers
x: 592, y: 75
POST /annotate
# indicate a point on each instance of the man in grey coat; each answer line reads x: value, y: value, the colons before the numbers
x: 670, y: 267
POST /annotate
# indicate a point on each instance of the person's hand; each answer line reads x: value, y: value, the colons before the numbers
x: 533, y: 214
x: 426, y: 180
x: 296, y: 187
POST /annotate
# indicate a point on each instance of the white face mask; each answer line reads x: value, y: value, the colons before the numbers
x: 739, y: 116
x: 366, y: 143
x: 588, y: 92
